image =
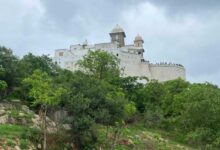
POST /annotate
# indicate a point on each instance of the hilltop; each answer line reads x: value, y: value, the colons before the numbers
x: 96, y: 107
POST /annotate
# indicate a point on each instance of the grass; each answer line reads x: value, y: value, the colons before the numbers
x: 11, y: 134
x: 136, y: 138
x: 131, y: 137
x: 15, y: 113
x: 24, y: 144
x: 12, y: 131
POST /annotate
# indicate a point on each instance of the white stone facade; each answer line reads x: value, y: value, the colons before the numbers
x: 131, y: 58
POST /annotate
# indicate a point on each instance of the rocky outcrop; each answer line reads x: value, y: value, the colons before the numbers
x: 11, y: 113
x: 19, y: 115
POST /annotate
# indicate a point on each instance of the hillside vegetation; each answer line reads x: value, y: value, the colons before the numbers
x: 103, y: 109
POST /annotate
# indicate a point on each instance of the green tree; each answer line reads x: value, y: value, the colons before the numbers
x: 8, y: 61
x: 3, y: 84
x: 172, y: 88
x: 100, y: 64
x: 29, y: 63
x: 44, y: 92
x: 131, y: 86
x: 2, y: 71
x: 93, y: 101
x: 150, y: 96
x: 198, y: 109
x: 83, y: 131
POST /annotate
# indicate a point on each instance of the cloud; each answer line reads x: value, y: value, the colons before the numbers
x: 191, y: 40
x: 185, y: 32
x: 84, y: 17
x: 177, y: 7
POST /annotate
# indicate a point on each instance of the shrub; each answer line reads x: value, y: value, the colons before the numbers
x: 24, y: 144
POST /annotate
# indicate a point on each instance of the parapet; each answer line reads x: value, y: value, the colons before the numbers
x: 165, y: 64
x: 105, y: 45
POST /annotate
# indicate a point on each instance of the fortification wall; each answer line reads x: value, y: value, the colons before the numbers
x: 163, y: 72
x: 133, y: 66
x: 106, y: 46
x: 132, y: 62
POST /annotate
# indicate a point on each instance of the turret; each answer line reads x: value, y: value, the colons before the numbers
x: 117, y: 35
x: 138, y: 41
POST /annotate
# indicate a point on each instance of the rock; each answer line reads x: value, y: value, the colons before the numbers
x: 72, y: 145
x: 16, y: 100
x: 4, y: 119
x: 37, y: 123
x: 67, y: 126
x: 2, y: 112
x: 59, y: 115
x: 36, y: 119
x: 36, y: 116
x: 53, y: 124
x: 2, y: 107
x: 127, y: 142
x: 24, y: 121
x: 5, y: 106
x: 39, y: 146
x: 21, y: 114
x: 26, y: 109
x: 17, y: 148
x: 11, y: 120
x: 51, y: 130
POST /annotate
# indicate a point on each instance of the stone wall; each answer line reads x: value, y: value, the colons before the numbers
x: 164, y: 72
x: 132, y: 62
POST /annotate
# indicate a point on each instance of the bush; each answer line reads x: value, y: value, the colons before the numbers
x: 153, y: 119
x: 24, y: 144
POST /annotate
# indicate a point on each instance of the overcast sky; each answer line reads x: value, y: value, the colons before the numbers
x: 179, y: 31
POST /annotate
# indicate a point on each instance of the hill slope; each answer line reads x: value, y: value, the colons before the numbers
x: 137, y: 138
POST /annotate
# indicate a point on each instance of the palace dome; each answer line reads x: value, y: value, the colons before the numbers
x: 117, y: 29
x: 138, y: 38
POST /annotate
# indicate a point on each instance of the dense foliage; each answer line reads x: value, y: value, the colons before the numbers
x: 97, y: 94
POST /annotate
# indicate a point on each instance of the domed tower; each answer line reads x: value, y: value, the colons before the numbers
x: 138, y: 41
x: 117, y: 35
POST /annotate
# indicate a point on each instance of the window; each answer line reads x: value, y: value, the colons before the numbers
x: 116, y: 54
x: 60, y: 53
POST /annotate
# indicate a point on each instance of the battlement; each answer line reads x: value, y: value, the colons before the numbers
x: 105, y: 45
x: 165, y: 64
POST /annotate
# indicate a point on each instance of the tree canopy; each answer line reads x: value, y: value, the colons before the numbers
x: 97, y: 94
x: 100, y: 64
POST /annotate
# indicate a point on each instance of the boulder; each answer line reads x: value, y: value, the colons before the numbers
x: 2, y: 112
x: 67, y: 126
x: 127, y: 142
x: 17, y: 148
x: 4, y: 119
x: 26, y: 109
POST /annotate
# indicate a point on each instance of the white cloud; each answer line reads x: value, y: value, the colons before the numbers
x: 183, y: 32
x: 190, y: 39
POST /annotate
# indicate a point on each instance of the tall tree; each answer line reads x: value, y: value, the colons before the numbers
x: 172, y: 88
x: 100, y: 64
x: 198, y: 109
x: 8, y: 61
x: 45, y: 93
x: 29, y: 63
x: 3, y: 84
x: 93, y: 101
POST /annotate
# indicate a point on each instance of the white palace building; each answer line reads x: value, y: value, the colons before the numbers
x: 131, y: 57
